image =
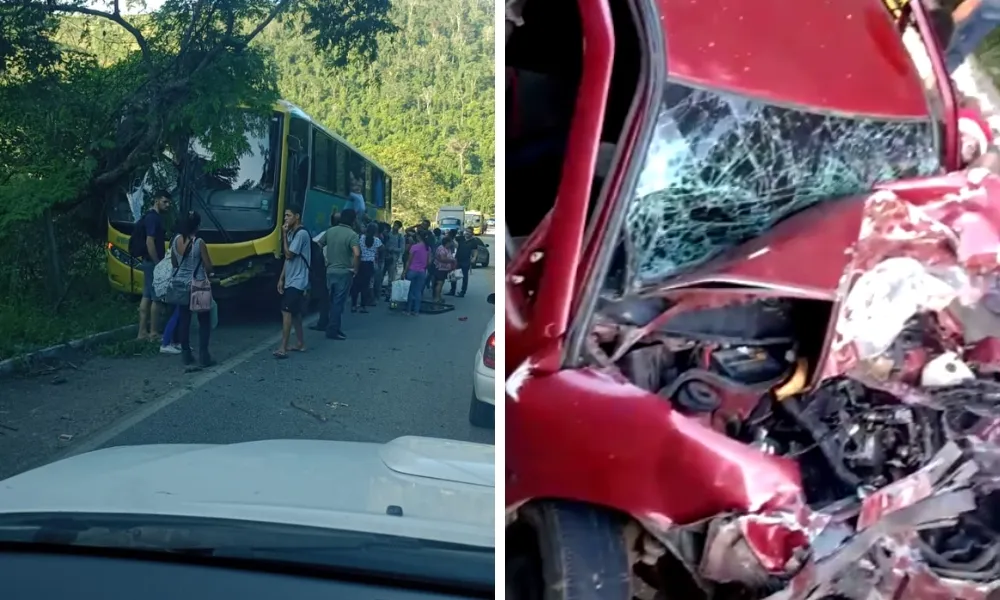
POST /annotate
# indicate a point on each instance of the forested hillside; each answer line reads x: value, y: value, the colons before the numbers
x: 424, y: 108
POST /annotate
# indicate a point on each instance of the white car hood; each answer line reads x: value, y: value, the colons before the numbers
x: 444, y: 488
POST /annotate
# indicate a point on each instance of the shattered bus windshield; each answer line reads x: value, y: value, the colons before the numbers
x: 238, y: 196
x: 241, y: 194
x: 723, y: 168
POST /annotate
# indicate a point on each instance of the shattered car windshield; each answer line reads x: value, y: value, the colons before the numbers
x: 723, y: 168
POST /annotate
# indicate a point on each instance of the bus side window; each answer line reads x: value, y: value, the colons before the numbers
x: 323, y: 176
x: 340, y: 168
x: 356, y: 172
x: 378, y: 188
x: 298, y: 175
x: 388, y: 195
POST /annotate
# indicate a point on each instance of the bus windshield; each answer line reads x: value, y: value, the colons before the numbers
x: 238, y: 197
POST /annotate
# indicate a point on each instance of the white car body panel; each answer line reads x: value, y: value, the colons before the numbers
x: 444, y: 488
x: 483, y: 376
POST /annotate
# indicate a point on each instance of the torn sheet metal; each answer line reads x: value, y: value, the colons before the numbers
x: 897, y: 434
x: 920, y: 252
x: 863, y: 564
x: 922, y: 289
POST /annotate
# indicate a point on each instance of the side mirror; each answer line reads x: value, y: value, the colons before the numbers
x: 491, y: 299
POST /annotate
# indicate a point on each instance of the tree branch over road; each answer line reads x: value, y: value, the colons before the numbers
x: 191, y: 66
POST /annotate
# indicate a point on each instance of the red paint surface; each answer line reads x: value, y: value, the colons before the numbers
x: 585, y: 436
x: 775, y: 260
x: 825, y: 55
x: 578, y: 434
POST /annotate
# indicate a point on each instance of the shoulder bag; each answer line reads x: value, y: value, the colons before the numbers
x: 201, y: 289
x: 179, y: 289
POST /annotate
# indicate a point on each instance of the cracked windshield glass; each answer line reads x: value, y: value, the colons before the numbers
x: 249, y: 311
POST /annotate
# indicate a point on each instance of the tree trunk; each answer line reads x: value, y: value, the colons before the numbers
x: 56, y: 285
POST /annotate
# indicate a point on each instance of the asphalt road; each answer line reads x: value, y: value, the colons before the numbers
x: 394, y: 376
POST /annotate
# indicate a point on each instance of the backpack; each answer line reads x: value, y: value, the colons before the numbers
x: 317, y: 270
x: 162, y: 274
x: 137, y: 241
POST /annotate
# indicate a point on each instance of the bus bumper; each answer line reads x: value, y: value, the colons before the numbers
x: 261, y: 278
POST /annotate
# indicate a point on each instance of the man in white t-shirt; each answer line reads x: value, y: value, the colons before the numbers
x: 294, y: 280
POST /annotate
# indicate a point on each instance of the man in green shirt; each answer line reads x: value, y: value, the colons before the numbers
x: 342, y: 255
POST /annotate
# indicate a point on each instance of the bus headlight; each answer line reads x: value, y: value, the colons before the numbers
x: 123, y: 257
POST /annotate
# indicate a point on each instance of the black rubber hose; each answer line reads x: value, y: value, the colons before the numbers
x: 984, y: 567
x: 825, y: 441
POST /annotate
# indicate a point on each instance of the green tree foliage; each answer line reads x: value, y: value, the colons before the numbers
x: 424, y: 108
x: 75, y: 124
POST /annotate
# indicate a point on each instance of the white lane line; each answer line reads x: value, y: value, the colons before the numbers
x: 105, y: 435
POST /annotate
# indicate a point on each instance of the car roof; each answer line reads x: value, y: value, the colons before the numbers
x: 839, y: 56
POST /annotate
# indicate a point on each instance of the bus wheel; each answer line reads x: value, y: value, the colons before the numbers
x: 567, y: 551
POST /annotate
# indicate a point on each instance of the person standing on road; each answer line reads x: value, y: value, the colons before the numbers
x: 318, y: 284
x: 973, y: 21
x: 343, y: 253
x: 154, y: 251
x: 444, y: 263
x: 170, y: 344
x: 419, y: 228
x: 370, y: 246
x: 294, y: 280
x: 416, y: 272
x: 395, y: 245
x: 433, y: 241
x: 466, y: 255
x: 191, y: 261
x: 383, y: 229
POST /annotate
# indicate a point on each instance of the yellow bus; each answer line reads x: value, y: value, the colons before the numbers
x: 293, y: 162
x: 474, y: 219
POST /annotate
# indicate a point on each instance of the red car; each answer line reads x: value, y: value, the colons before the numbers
x: 752, y: 307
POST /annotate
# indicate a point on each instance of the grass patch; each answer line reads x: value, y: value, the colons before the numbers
x: 129, y: 348
x: 27, y: 326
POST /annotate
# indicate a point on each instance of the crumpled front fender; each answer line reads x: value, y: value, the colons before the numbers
x: 592, y: 437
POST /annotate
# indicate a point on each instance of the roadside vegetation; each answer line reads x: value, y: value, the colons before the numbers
x: 90, y: 94
x: 989, y: 56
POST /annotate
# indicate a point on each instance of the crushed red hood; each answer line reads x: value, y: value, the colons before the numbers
x: 825, y: 395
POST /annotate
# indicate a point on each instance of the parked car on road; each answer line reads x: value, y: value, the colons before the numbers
x: 481, y: 409
x: 483, y: 256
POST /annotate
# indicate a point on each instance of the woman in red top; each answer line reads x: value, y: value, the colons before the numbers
x: 444, y: 263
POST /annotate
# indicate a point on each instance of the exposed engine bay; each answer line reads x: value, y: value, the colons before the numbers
x: 885, y: 395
